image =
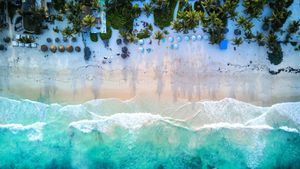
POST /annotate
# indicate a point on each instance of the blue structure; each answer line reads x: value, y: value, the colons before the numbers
x: 223, y: 44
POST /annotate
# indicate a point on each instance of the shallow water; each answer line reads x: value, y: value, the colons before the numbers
x: 143, y: 133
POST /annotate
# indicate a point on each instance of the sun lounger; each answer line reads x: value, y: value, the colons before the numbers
x: 15, y: 43
x: 33, y: 45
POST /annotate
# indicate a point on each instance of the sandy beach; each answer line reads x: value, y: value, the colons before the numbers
x: 195, y: 71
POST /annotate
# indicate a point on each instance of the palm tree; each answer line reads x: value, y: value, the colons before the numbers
x: 131, y: 37
x: 249, y: 36
x: 259, y: 37
x: 160, y: 4
x: 147, y: 8
x: 237, y: 41
x: 254, y: 8
x: 176, y: 25
x: 293, y: 27
x: 159, y: 35
x: 67, y: 32
x: 89, y: 21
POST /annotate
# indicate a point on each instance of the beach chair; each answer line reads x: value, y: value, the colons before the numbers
x: 15, y: 43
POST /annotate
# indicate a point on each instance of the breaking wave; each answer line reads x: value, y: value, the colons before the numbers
x: 148, y: 133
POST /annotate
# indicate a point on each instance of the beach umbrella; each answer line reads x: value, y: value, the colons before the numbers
x: 187, y: 38
x: 119, y: 41
x: 6, y: 39
x: 1, y: 47
x: 53, y: 48
x: 49, y: 40
x: 172, y: 46
x: 57, y: 40
x: 179, y: 39
x: 175, y: 46
x: 70, y: 48
x: 44, y: 48
x: 226, y: 30
x: 61, y: 48
x: 141, y: 42
x: 65, y: 39
x: 124, y: 49
x: 148, y: 50
x: 199, y: 37
x: 237, y: 32
x: 205, y: 37
x: 141, y: 50
x: 74, y: 39
x: 171, y: 39
x: 77, y: 49
x: 194, y: 38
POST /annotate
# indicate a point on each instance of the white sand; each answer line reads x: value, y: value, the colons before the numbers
x: 196, y: 71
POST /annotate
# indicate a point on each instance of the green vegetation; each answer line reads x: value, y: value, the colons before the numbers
x: 147, y: 8
x: 145, y: 33
x: 163, y: 12
x: 67, y: 32
x: 26, y: 39
x: 89, y: 21
x: 159, y: 35
x: 187, y: 20
x: 107, y: 35
x: 94, y: 37
x: 275, y: 53
x: 254, y: 8
x: 121, y: 13
x: 59, y: 5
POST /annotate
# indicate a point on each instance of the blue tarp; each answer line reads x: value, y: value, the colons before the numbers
x: 223, y: 44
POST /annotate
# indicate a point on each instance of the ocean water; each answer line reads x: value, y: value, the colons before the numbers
x: 148, y: 134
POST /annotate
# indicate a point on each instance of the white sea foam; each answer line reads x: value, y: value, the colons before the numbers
x: 130, y: 121
x: 35, y: 130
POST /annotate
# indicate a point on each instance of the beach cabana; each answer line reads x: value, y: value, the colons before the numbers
x: 61, y: 48
x: 77, y: 49
x: 53, y: 48
x: 223, y: 44
x: 70, y: 48
x: 194, y: 38
x: 141, y: 42
x: 171, y: 39
x: 44, y: 48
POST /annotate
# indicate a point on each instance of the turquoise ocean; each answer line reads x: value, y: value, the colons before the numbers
x: 148, y: 134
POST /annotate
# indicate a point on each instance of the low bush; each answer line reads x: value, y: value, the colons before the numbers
x: 94, y: 37
x: 107, y: 35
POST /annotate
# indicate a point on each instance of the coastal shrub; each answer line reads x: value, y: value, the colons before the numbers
x: 164, y: 16
x: 107, y: 35
x: 94, y: 37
